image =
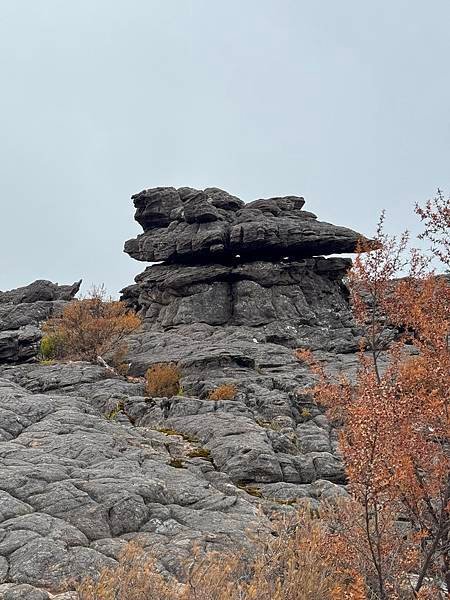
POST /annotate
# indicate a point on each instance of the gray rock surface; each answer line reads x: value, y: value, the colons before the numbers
x: 21, y: 311
x: 74, y: 486
x: 40, y: 290
x: 299, y: 303
x: 188, y: 225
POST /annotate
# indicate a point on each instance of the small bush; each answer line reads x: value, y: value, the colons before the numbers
x: 89, y: 328
x: 163, y: 380
x: 226, y: 391
x: 51, y: 347
x: 305, y: 413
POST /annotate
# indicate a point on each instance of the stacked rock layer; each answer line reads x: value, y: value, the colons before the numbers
x: 251, y: 268
x: 188, y: 225
x: 240, y: 287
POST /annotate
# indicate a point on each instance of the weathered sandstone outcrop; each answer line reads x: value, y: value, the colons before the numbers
x: 236, y: 319
x: 211, y: 225
x: 88, y: 461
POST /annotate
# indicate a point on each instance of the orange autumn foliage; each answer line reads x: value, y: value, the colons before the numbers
x: 390, y: 539
x: 435, y: 215
x: 395, y: 435
x: 91, y: 327
x: 226, y: 391
x: 162, y: 380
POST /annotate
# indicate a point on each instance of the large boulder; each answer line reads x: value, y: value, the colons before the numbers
x: 293, y: 303
x: 40, y: 290
x: 188, y: 225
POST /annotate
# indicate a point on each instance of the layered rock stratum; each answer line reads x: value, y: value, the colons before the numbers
x: 21, y: 311
x: 188, y: 225
x: 88, y: 461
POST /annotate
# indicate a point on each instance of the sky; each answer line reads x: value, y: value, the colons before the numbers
x: 345, y: 103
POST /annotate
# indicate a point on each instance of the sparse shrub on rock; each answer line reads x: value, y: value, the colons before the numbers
x: 51, y: 347
x: 163, y: 379
x: 226, y: 391
x: 294, y: 564
x: 88, y: 328
x: 134, y: 578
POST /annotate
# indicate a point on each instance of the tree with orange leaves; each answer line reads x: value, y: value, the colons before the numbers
x: 436, y: 217
x: 395, y: 418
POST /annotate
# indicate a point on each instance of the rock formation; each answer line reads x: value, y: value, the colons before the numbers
x: 188, y: 225
x: 239, y: 288
x: 236, y: 319
x: 22, y: 310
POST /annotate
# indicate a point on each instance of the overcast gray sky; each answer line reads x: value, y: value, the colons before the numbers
x: 346, y: 103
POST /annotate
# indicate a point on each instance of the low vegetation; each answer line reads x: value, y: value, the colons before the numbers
x: 200, y: 453
x: 185, y: 436
x: 89, y: 329
x: 163, y: 380
x: 226, y: 391
x: 291, y: 564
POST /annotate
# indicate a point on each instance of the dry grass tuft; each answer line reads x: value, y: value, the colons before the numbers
x: 163, y: 380
x: 291, y: 564
x: 134, y: 578
x: 226, y: 391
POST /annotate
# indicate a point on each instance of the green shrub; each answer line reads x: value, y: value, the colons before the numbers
x: 51, y: 346
x: 115, y: 411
